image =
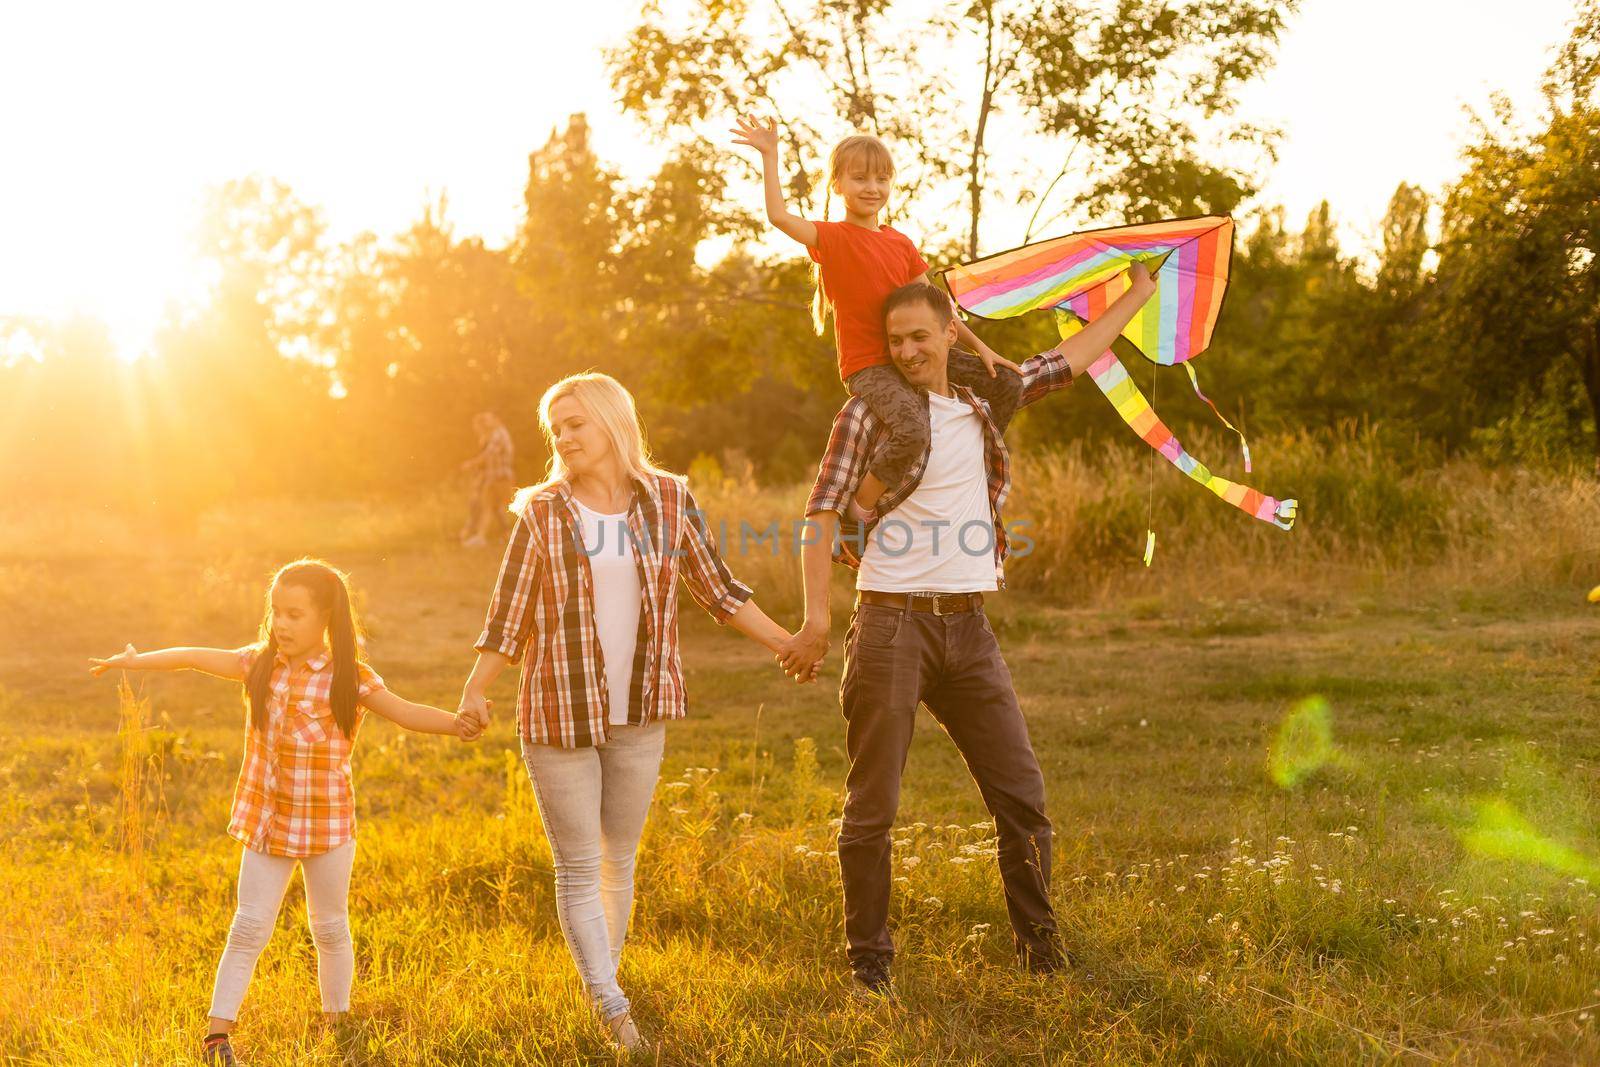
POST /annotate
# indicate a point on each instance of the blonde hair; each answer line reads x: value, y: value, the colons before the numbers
x: 874, y: 155
x: 610, y: 404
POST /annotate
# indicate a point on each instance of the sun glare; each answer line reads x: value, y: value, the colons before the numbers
x: 126, y: 128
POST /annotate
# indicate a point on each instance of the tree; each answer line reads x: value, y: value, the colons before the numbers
x: 1126, y: 90
x: 1519, y: 288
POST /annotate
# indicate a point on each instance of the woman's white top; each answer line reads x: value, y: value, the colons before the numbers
x: 617, y: 599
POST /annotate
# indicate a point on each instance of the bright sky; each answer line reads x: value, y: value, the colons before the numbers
x: 121, y: 115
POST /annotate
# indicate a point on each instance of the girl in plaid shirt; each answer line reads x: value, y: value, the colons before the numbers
x: 587, y: 599
x: 306, y: 693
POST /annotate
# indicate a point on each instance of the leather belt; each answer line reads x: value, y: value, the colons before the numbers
x: 943, y: 604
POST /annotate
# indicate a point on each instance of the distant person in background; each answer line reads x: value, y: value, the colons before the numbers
x: 495, y: 482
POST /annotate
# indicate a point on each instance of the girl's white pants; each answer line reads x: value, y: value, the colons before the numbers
x: 262, y: 882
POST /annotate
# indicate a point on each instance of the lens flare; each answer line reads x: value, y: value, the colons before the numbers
x: 1501, y: 832
x: 1304, y: 743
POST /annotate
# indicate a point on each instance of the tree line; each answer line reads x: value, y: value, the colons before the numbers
x: 355, y: 366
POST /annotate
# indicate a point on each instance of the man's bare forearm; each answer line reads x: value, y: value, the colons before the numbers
x: 1089, y: 343
x: 816, y: 565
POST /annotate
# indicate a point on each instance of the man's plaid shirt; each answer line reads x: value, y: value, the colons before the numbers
x: 543, y: 610
x: 856, y: 431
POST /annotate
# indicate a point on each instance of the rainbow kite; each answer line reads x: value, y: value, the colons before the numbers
x: 1080, y: 275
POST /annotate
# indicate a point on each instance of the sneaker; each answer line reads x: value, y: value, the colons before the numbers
x: 872, y: 979
x: 218, y: 1052
x: 625, y: 1032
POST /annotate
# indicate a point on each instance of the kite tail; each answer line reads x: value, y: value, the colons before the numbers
x: 1243, y: 444
x: 1113, y: 380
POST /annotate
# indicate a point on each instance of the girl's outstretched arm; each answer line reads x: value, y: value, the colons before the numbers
x: 408, y: 715
x: 764, y: 139
x: 221, y: 662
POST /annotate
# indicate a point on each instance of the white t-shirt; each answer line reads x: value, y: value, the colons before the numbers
x: 617, y: 599
x: 941, y: 538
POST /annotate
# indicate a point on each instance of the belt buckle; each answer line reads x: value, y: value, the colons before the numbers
x: 936, y: 612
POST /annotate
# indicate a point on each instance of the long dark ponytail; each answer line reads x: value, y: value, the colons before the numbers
x: 330, y: 591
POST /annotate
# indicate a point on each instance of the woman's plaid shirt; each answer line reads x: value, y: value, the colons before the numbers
x: 294, y: 796
x: 856, y: 431
x: 543, y: 611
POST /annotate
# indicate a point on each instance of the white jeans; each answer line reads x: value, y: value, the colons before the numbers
x: 593, y: 802
x: 262, y: 882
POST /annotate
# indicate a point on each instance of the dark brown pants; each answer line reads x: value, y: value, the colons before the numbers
x: 894, y: 661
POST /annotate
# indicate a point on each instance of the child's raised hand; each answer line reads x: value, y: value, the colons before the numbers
x: 763, y: 138
x: 127, y: 659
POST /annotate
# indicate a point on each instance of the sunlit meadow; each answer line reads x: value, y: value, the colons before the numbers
x: 1319, y: 798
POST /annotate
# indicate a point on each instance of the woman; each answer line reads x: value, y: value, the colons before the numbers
x: 586, y: 598
x: 494, y: 481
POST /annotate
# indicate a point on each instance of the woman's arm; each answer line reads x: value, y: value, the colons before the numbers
x: 764, y: 139
x: 509, y: 625
x: 751, y: 621
x: 221, y: 662
x: 754, y: 623
x: 475, y: 705
x: 422, y: 718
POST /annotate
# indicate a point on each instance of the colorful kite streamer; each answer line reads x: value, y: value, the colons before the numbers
x: 1079, y: 275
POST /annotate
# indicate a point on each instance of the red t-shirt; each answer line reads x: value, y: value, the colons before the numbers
x: 860, y: 268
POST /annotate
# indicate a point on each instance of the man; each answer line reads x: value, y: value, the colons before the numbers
x: 918, y: 633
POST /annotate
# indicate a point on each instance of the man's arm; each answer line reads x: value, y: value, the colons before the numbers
x: 840, y: 472
x: 1091, y: 342
x: 1056, y: 368
x: 809, y: 645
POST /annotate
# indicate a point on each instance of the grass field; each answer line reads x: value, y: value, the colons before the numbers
x: 1404, y: 872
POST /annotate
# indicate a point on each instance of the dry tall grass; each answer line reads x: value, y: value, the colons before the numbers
x: 1373, y: 515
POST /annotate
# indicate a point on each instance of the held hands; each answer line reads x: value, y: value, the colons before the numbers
x: 472, y: 716
x: 126, y: 660
x: 763, y: 138
x: 801, y: 655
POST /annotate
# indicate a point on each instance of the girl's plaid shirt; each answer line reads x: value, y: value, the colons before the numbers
x: 294, y: 796
x: 543, y: 610
x: 856, y: 431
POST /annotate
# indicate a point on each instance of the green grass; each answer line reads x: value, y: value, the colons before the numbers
x: 1423, y: 893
